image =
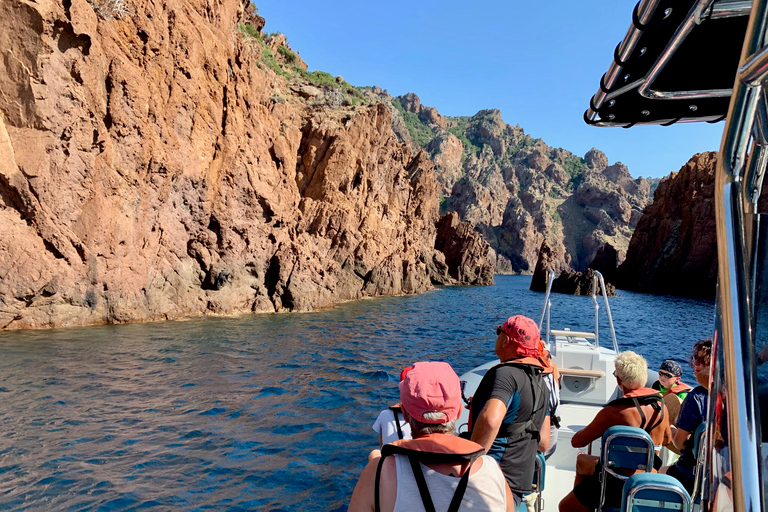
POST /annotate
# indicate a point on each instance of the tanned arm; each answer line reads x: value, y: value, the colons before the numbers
x: 679, y: 437
x: 488, y: 422
x: 544, y: 435
x: 592, y: 431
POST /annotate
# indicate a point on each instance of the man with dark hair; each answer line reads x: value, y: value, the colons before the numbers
x: 508, y: 414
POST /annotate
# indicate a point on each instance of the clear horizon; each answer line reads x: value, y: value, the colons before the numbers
x: 539, y: 69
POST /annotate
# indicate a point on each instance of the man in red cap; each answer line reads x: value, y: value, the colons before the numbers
x: 508, y: 414
x: 435, y: 467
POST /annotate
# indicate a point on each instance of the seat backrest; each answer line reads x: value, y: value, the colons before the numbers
x: 699, y: 452
x: 654, y: 492
x: 628, y: 448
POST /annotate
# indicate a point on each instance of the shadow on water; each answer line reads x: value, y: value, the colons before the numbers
x: 268, y: 412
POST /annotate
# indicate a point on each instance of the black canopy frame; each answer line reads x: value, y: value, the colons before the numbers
x: 677, y: 63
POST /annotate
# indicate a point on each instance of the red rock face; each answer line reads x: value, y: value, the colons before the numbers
x: 152, y: 167
x: 674, y: 248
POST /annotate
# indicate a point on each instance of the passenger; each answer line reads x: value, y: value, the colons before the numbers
x: 672, y: 388
x: 431, y: 398
x: 693, y: 412
x: 508, y: 414
x: 391, y: 425
x: 639, y: 407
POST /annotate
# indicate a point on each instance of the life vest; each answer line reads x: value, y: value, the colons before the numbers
x: 531, y: 366
x: 680, y: 387
x: 432, y: 449
x: 639, y: 397
x: 396, y: 410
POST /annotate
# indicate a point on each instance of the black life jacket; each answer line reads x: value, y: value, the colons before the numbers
x: 540, y: 400
x: 652, y: 399
x: 432, y: 449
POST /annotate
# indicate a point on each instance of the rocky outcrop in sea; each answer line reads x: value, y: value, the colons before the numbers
x: 674, y: 248
x: 161, y: 160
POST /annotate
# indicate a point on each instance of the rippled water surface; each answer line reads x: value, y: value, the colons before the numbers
x: 261, y: 412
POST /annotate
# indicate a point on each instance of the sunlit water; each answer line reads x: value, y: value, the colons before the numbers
x: 266, y: 412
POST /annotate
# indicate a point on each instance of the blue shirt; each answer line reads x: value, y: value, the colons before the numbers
x: 693, y: 412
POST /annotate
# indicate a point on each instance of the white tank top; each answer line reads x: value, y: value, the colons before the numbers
x: 485, y: 491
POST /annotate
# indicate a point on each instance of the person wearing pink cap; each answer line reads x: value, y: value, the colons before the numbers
x: 436, y: 470
x: 508, y: 414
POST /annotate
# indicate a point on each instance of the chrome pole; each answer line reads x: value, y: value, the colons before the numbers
x: 733, y: 304
x: 597, y: 310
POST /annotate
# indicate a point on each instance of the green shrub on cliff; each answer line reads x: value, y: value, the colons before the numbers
x: 574, y: 165
x: 287, y: 53
x: 420, y: 133
x: 249, y: 31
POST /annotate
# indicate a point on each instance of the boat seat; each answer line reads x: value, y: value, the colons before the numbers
x: 623, y: 448
x: 654, y: 492
x: 700, y: 451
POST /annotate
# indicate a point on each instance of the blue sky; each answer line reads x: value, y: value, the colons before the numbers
x: 537, y: 62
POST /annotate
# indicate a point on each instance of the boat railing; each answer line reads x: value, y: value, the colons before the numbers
x: 571, y: 335
x: 599, y: 278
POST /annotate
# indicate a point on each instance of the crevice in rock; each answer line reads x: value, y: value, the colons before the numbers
x: 267, y: 211
x: 11, y: 197
x: 108, y: 85
x: 272, y: 275
x: 53, y: 250
x: 224, y: 112
x: 215, y: 226
x: 278, y: 161
x: 67, y: 38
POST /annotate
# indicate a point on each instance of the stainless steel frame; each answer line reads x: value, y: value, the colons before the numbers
x: 546, y: 309
x: 739, y: 175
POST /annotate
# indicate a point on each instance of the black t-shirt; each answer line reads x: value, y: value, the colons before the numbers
x: 514, y: 386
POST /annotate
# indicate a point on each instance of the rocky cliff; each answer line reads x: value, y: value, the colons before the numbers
x: 164, y: 159
x: 518, y: 191
x: 674, y: 248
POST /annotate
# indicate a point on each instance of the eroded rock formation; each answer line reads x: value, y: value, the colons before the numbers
x: 518, y: 191
x: 158, y: 162
x: 465, y: 251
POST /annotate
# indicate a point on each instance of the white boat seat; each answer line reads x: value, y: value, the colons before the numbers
x: 572, y: 334
x: 580, y: 372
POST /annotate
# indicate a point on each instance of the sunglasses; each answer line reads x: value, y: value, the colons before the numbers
x: 499, y: 330
x: 667, y: 375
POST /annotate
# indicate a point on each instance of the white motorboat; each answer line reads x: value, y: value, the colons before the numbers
x: 587, y: 384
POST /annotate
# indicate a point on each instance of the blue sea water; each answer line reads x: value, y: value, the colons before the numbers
x: 268, y: 412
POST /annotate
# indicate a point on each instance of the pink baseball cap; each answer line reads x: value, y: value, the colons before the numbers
x: 431, y: 387
x: 524, y: 333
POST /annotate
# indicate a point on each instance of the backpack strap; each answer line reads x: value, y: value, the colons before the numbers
x: 415, y: 457
x: 397, y: 410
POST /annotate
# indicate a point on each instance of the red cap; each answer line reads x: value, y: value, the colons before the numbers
x: 524, y: 333
x: 405, y: 370
x: 431, y: 387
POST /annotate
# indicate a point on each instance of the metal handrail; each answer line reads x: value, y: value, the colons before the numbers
x: 550, y: 280
x: 546, y: 311
x: 599, y: 276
